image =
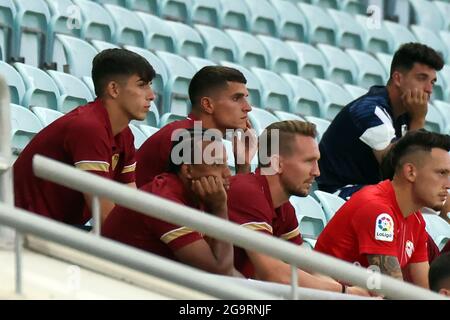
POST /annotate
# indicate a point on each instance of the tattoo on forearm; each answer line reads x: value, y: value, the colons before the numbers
x: 388, y: 265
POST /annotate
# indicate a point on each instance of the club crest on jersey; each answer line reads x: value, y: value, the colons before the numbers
x: 384, y: 228
x: 409, y: 248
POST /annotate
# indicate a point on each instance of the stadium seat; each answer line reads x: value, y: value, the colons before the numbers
x: 14, y: 81
x: 253, y: 83
x: 250, y: 52
x: 8, y: 13
x: 355, y: 91
x: 444, y: 74
x: 352, y: 6
x: 199, y: 63
x: 435, y: 120
x: 41, y: 90
x: 139, y: 136
x: 348, y: 33
x: 370, y: 71
x: 263, y: 17
x: 97, y: 22
x: 176, y: 89
x: 147, y: 6
x: 291, y: 22
x: 152, y: 119
x: 311, y: 62
x: 330, y: 203
x: 430, y: 38
x: 306, y: 100
x: 285, y: 116
x: 444, y: 36
x: 310, y: 216
x: 168, y: 118
x: 440, y: 87
x: 426, y: 14
x: 119, y: 3
x: 234, y: 14
x: 260, y: 119
x: 205, y: 12
x: 158, y: 35
x: 399, y: 33
x: 90, y: 84
x: 24, y: 126
x: 333, y: 4
x: 67, y: 52
x: 176, y: 10
x: 385, y: 60
x: 335, y: 97
x: 73, y: 92
x: 218, y: 45
x: 147, y: 130
x: 128, y: 28
x: 282, y: 59
x: 340, y: 67
x: 375, y: 39
x: 444, y: 10
x: 438, y: 229
x: 45, y: 115
x: 321, y: 27
x: 276, y: 93
x: 103, y: 45
x: 29, y: 31
x: 321, y: 125
x: 187, y: 40
x: 444, y: 109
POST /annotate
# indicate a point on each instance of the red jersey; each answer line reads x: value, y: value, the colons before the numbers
x: 154, y: 154
x: 371, y: 223
x: 250, y: 205
x: 148, y: 233
x: 82, y: 138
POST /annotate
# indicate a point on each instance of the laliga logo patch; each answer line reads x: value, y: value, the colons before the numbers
x: 384, y: 228
x: 409, y: 248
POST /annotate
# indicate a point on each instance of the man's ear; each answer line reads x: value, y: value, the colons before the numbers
x: 112, y: 89
x: 207, y: 105
x: 445, y: 292
x: 397, y: 78
x: 409, y: 171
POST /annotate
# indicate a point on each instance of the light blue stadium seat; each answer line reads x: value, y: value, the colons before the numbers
x: 370, y: 70
x: 335, y: 97
x: 310, y: 216
x: 426, y: 13
x: 321, y: 27
x: 188, y: 41
x: 148, y: 6
x: 291, y: 21
x: 311, y: 62
x: 444, y: 109
x: 41, y: 90
x: 119, y: 3
x: 158, y: 35
x: 306, y: 100
x: 385, y: 60
x: 180, y: 74
x: 444, y: 10
x: 205, y: 12
x: 29, y: 32
x: 340, y: 67
x: 177, y: 10
x: 431, y: 39
x: 67, y: 51
x: 375, y: 39
x: 139, y: 136
x: 97, y: 22
x: 128, y: 28
x: 218, y: 45
x: 260, y: 119
x: 330, y: 203
x: 435, y: 120
x: 276, y: 93
x: 168, y: 118
x: 14, y: 81
x: 438, y: 229
x: 399, y: 33
x: 321, y: 125
x: 103, y: 45
x: 148, y: 130
x: 354, y: 91
x: 250, y: 51
x: 90, y: 84
x: 444, y: 36
x: 234, y: 14
x: 263, y: 17
x: 283, y: 116
x: 348, y: 34
x: 45, y: 115
x: 73, y: 92
x: 7, y: 14
x: 333, y: 4
x: 24, y: 126
x: 253, y: 84
x: 152, y: 119
x: 352, y: 6
x: 199, y: 63
x: 444, y: 74
x: 282, y: 59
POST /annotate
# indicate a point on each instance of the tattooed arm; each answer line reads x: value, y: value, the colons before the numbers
x: 388, y: 265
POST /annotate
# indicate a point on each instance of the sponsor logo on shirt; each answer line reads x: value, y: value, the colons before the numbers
x: 384, y: 228
x: 409, y: 248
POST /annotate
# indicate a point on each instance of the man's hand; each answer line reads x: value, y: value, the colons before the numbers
x: 358, y: 291
x: 415, y: 103
x: 244, y: 148
x: 212, y: 194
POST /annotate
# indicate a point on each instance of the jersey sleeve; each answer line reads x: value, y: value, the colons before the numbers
x: 290, y: 230
x: 127, y: 174
x: 420, y: 254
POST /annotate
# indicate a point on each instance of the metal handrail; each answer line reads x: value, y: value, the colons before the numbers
x: 172, y: 212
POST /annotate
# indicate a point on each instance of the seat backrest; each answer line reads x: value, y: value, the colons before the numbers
x: 321, y: 125
x: 128, y: 28
x: 282, y: 59
x: 426, y: 13
x: 348, y: 34
x: 24, y: 126
x: 45, y: 115
x: 260, y: 119
x: 103, y: 45
x: 399, y: 33
x: 205, y: 12
x: 147, y: 6
x: 218, y: 45
x: 152, y: 119
x: 250, y: 51
x: 321, y: 27
x: 431, y: 39
x: 341, y: 68
x: 234, y: 14
x: 283, y: 116
x: 330, y: 203
x: 438, y: 229
x: 139, y: 136
x: 187, y: 42
x: 370, y: 70
x: 168, y: 118
x: 291, y: 21
x: 355, y: 91
x: 435, y: 120
x: 385, y: 60
x: 200, y: 63
x: 311, y: 62
x: 97, y: 21
x: 376, y: 38
x: 335, y: 97
x: 14, y: 81
x: 7, y: 14
x: 263, y: 17
x: 310, y: 216
x: 176, y: 10
x: 158, y: 35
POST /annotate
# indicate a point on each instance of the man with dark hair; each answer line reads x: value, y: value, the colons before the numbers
x: 288, y: 155
x: 439, y: 275
x: 381, y: 225
x: 219, y: 101
x: 360, y: 135
x: 94, y: 137
x: 201, y: 185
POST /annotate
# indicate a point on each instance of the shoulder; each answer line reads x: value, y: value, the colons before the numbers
x: 243, y: 185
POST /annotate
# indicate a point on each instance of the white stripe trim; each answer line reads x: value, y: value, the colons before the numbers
x: 92, y: 161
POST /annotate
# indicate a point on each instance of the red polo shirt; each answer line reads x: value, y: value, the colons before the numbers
x: 371, y: 223
x: 151, y: 234
x: 82, y: 138
x: 250, y: 205
x: 153, y: 156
